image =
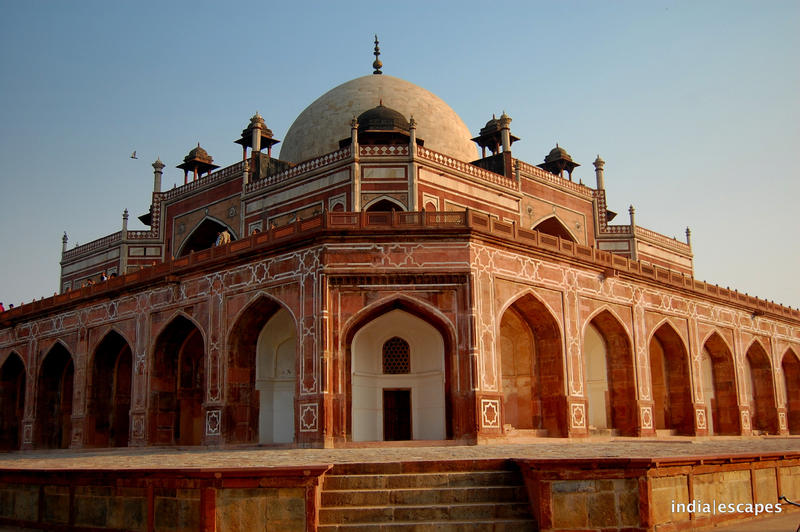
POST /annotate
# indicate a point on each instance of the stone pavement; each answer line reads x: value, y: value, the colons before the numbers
x: 194, y: 457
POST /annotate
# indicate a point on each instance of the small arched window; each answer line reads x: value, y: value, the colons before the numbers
x: 396, y: 356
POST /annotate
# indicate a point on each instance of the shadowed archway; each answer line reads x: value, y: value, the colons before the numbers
x: 719, y: 387
x: 53, y: 429
x: 204, y: 236
x: 671, y: 381
x: 553, y: 226
x: 177, y: 385
x: 12, y: 401
x: 763, y: 410
x: 791, y: 375
x: 611, y: 388
x: 109, y: 394
x: 532, y: 363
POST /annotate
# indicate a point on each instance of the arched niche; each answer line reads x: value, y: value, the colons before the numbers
x: 109, y: 394
x: 177, y: 385
x: 671, y: 381
x: 53, y: 428
x: 12, y: 401
x: 610, y: 380
x: 382, y: 401
x: 384, y: 204
x: 791, y: 375
x: 276, y: 363
x: 553, y: 226
x: 532, y: 362
x: 719, y: 387
x: 763, y: 411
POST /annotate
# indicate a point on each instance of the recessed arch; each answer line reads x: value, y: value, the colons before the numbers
x: 719, y: 386
x: 610, y: 373
x: 53, y: 428
x: 791, y: 375
x: 464, y: 424
x: 552, y: 225
x: 260, y: 404
x: 532, y: 366
x: 761, y: 389
x: 204, y: 235
x: 671, y: 379
x: 177, y: 384
x: 384, y: 203
x: 12, y: 401
x: 110, y: 378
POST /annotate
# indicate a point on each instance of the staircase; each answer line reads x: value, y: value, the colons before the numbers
x: 425, y: 496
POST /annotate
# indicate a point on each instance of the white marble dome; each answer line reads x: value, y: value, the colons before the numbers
x: 320, y: 127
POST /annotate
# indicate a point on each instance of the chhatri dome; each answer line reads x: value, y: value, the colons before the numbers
x: 320, y: 127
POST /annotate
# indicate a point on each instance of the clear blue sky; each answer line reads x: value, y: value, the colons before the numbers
x: 695, y: 106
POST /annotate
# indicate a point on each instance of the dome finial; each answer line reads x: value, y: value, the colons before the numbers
x: 377, y: 63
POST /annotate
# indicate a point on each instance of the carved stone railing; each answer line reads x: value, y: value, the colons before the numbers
x: 306, y: 166
x: 466, y: 168
x: 216, y: 177
x: 366, y: 150
x: 658, y: 238
x: 93, y: 246
x: 544, y: 175
x: 368, y: 224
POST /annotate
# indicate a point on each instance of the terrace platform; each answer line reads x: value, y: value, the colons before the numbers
x: 594, y: 484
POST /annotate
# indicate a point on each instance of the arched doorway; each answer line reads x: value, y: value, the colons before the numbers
x: 204, y: 236
x: 671, y: 382
x: 610, y: 382
x: 261, y: 377
x: 12, y: 401
x: 763, y: 411
x: 177, y: 385
x: 54, y: 399
x: 109, y: 395
x: 791, y: 375
x: 532, y: 364
x: 719, y: 387
x: 398, y: 379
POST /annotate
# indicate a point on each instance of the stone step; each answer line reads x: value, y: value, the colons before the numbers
x: 448, y: 495
x: 452, y: 512
x: 497, y: 525
x: 422, y: 480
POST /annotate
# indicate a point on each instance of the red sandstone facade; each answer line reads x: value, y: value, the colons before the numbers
x: 501, y: 269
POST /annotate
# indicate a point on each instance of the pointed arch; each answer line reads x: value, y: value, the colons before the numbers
x: 530, y: 344
x: 552, y: 225
x: 610, y: 372
x: 791, y: 374
x: 384, y: 203
x: 177, y: 383
x: 464, y: 424
x: 110, y: 378
x: 671, y: 380
x: 719, y: 386
x: 246, y: 404
x: 204, y: 235
x: 12, y: 401
x: 763, y: 408
x: 53, y: 428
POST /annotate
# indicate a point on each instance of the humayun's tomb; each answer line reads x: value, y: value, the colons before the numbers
x: 389, y: 276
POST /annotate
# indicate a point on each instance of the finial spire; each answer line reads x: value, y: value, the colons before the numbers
x: 377, y: 63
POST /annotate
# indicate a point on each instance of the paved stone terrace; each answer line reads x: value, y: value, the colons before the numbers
x: 193, y: 457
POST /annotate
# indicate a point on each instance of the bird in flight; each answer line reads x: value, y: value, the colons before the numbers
x: 133, y: 155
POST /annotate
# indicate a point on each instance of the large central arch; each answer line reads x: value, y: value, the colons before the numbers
x: 424, y: 395
x: 719, y: 387
x: 532, y: 360
x: 177, y: 385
